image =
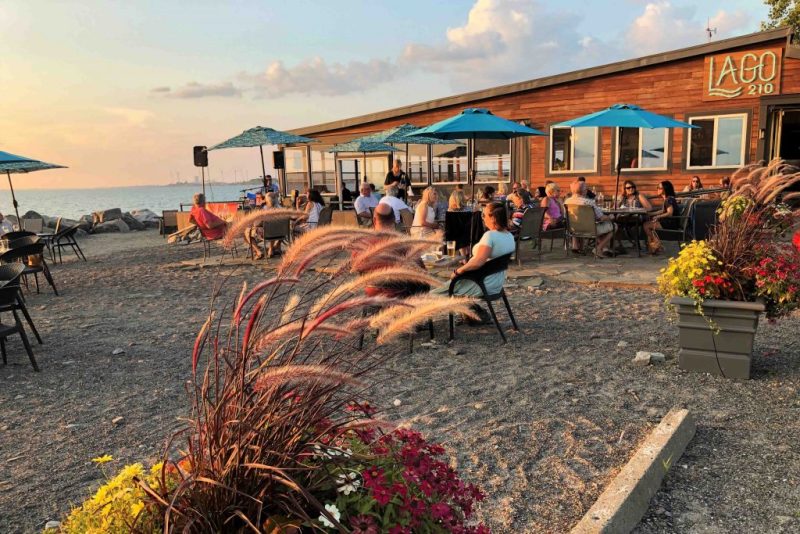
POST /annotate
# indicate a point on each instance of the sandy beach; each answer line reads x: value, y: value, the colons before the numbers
x: 541, y: 423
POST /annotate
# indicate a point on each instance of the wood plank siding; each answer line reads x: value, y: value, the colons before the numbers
x: 664, y: 85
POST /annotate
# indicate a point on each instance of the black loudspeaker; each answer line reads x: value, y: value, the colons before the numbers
x: 200, y: 156
x: 277, y: 160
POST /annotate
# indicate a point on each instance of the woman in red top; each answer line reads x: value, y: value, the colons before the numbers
x: 211, y: 226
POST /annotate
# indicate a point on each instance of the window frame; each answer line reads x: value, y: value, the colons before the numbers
x: 572, y: 172
x: 640, y: 170
x: 431, y: 165
x: 746, y: 119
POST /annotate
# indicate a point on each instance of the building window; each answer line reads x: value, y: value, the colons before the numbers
x: 717, y: 142
x: 573, y: 149
x: 643, y: 148
x: 349, y: 170
x: 492, y: 160
x: 296, y: 169
x: 417, y: 164
x: 323, y: 171
x: 449, y: 163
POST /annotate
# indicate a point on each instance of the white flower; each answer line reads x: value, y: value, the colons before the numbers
x: 347, y: 483
x: 331, y: 509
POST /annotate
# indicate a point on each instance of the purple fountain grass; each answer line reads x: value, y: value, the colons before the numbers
x: 255, y: 218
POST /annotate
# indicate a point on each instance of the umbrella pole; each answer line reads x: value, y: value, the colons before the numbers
x: 203, y: 174
x: 14, y: 200
x: 263, y: 168
x: 619, y: 167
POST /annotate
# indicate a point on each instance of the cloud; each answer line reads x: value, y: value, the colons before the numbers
x: 663, y: 26
x: 501, y: 41
x: 201, y: 90
x: 133, y: 117
x: 316, y: 77
x: 161, y: 89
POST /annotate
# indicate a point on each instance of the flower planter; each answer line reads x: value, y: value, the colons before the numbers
x: 726, y: 352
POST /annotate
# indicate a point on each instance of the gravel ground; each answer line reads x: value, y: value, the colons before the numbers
x: 541, y: 423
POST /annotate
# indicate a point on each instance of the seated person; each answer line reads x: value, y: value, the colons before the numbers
x: 605, y: 227
x: 393, y: 200
x: 496, y: 241
x: 210, y: 226
x: 313, y: 207
x: 589, y: 193
x: 364, y: 202
x: 670, y: 208
x: 457, y: 201
x: 347, y: 195
x: 487, y: 195
x: 519, y: 197
x: 554, y: 209
x: 425, y: 214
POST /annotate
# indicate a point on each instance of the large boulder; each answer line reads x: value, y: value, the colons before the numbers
x: 116, y: 225
x: 146, y: 217
x: 106, y: 215
x: 132, y: 222
x: 30, y: 214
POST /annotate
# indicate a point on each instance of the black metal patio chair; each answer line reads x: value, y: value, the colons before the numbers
x: 478, y: 276
x: 9, y: 277
x: 8, y: 299
x: 22, y: 250
x: 63, y: 239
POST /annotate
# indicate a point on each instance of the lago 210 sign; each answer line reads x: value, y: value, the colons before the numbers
x: 742, y: 74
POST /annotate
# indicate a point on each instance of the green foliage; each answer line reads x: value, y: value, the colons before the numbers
x: 782, y: 13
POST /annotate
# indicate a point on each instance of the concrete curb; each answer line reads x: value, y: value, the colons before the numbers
x: 625, y: 500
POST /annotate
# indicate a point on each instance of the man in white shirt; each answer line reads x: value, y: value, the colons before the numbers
x: 5, y: 225
x: 364, y: 202
x: 392, y: 193
x: 605, y: 228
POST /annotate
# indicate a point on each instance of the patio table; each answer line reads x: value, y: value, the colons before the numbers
x: 618, y: 213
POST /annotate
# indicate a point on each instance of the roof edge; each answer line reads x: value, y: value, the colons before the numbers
x: 538, y: 83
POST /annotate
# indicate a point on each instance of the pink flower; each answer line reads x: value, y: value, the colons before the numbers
x: 363, y: 524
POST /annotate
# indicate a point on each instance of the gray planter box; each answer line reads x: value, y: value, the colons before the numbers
x: 726, y: 353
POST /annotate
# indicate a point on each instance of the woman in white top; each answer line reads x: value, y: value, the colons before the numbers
x: 425, y: 215
x: 313, y: 208
x: 496, y: 241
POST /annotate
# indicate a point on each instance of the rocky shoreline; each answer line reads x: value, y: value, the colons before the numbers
x: 99, y: 222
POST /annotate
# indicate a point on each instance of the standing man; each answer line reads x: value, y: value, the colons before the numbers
x: 398, y: 178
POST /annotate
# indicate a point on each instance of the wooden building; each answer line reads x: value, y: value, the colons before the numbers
x: 742, y: 93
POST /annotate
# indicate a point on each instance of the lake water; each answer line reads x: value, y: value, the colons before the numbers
x: 73, y: 203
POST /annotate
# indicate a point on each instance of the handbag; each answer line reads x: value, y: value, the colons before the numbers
x: 654, y: 245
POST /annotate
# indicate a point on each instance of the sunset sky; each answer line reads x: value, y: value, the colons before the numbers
x: 120, y: 91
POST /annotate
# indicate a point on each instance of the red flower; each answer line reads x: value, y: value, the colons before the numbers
x: 796, y: 240
x: 441, y: 511
x: 373, y: 477
x: 398, y: 529
x: 363, y: 524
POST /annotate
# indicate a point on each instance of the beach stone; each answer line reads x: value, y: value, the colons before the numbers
x: 117, y: 420
x: 622, y: 344
x: 642, y: 358
x: 80, y: 232
x: 117, y: 225
x: 146, y: 217
x: 12, y: 219
x: 52, y: 525
x: 30, y: 214
x: 397, y: 402
x: 106, y: 215
x: 657, y: 357
x: 118, y: 351
x: 132, y: 222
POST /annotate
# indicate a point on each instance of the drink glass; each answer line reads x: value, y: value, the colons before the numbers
x: 451, y: 249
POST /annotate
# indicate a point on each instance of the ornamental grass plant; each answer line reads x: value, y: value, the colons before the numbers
x: 747, y: 256
x: 281, y: 435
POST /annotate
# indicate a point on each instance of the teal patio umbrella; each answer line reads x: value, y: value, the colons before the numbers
x: 472, y: 124
x: 623, y: 116
x: 362, y: 146
x: 13, y: 164
x: 260, y: 136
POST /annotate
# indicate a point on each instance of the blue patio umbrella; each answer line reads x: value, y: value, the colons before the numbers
x: 472, y: 124
x: 363, y: 146
x: 13, y: 164
x: 623, y: 116
x: 260, y: 136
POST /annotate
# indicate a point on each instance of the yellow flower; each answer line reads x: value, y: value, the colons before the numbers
x: 100, y: 460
